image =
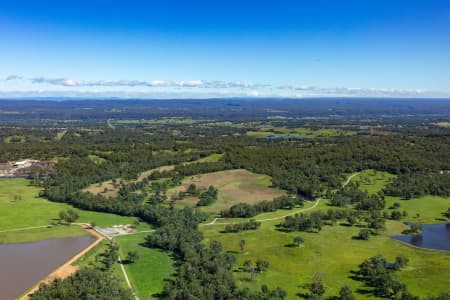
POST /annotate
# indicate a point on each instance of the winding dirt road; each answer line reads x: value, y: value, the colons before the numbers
x: 214, y: 222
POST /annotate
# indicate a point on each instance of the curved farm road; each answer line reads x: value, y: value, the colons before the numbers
x: 214, y: 222
x: 349, y: 179
x: 67, y: 268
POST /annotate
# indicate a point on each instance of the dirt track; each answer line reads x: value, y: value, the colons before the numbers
x: 67, y: 268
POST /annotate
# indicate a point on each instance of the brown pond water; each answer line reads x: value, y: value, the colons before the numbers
x: 23, y: 265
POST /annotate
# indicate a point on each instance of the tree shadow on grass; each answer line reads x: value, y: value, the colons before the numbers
x: 363, y: 291
x: 355, y: 275
x: 233, y: 252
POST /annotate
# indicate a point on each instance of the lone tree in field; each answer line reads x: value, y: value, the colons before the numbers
x: 298, y: 240
x: 71, y: 216
x: 261, y: 265
x: 447, y: 213
x: 68, y: 216
x: 132, y: 256
x: 317, y: 288
x: 364, y: 234
x: 346, y: 293
x: 62, y: 216
x: 242, y: 245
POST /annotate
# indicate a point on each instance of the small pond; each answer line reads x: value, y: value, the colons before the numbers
x: 284, y: 137
x: 433, y: 236
x: 23, y: 265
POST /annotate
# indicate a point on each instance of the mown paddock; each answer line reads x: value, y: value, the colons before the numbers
x: 21, y: 206
x: 150, y: 272
x: 234, y: 186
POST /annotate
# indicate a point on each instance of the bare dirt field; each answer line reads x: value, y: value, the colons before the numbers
x: 234, y: 186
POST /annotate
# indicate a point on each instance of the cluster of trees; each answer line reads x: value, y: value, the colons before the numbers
x: 418, y: 184
x: 245, y: 210
x: 207, y: 197
x: 351, y: 194
x: 86, y: 283
x: 253, y: 269
x: 68, y: 216
x: 376, y: 272
x: 111, y: 255
x: 242, y: 226
x: 303, y: 222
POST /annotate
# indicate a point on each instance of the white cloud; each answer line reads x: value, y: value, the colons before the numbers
x: 193, y: 88
x: 13, y: 77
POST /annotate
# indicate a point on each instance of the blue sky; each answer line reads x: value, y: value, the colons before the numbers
x: 167, y: 49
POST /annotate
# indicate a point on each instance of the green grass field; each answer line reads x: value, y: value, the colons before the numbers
x: 148, y: 274
x: 373, y: 181
x: 334, y: 253
x: 425, y: 210
x: 263, y: 131
x: 21, y: 206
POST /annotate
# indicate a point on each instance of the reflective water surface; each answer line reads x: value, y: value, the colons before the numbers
x: 433, y: 236
x: 23, y: 265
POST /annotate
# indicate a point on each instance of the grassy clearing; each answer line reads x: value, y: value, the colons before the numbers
x: 373, y: 181
x: 149, y: 273
x: 14, y: 139
x: 425, y: 210
x: 21, y: 206
x: 265, y: 131
x: 442, y: 124
x: 234, y: 186
x: 332, y: 252
x: 60, y: 135
x: 215, y: 157
x: 96, y: 159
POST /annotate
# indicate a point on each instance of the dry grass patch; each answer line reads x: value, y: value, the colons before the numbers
x: 108, y: 189
x: 442, y: 124
x: 234, y: 186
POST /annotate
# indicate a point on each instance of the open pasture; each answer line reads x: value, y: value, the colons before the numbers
x: 234, y: 186
x: 21, y: 207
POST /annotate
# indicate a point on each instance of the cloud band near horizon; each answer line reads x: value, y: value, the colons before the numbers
x: 226, y: 88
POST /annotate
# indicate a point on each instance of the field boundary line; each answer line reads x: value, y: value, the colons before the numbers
x: 26, y: 228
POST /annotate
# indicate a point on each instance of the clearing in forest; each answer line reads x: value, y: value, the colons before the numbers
x: 234, y: 186
x: 109, y: 189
